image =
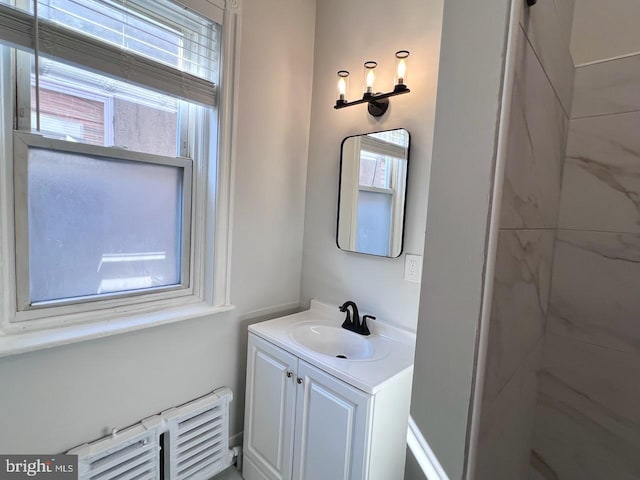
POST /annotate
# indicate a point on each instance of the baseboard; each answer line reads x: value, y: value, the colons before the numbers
x: 423, y: 454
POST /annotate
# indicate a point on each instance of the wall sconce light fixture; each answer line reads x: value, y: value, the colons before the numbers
x: 378, y: 102
x: 343, y: 86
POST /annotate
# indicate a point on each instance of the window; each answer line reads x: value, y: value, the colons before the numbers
x: 118, y: 186
x: 98, y: 226
x: 81, y: 106
x: 73, y: 113
x: 380, y: 191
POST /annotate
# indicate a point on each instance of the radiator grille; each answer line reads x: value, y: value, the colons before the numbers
x: 129, y: 456
x: 199, y: 441
x: 197, y: 446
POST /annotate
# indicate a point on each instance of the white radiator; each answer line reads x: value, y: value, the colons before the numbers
x: 196, y: 445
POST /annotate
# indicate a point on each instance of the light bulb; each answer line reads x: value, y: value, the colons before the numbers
x: 343, y: 85
x: 369, y: 77
x: 402, y: 70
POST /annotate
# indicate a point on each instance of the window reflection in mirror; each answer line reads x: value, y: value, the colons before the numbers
x: 373, y: 191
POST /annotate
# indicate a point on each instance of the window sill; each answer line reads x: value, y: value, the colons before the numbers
x: 15, y: 343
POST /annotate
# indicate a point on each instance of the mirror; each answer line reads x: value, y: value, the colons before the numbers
x: 373, y: 192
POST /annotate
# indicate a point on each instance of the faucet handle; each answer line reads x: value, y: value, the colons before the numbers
x: 363, y: 327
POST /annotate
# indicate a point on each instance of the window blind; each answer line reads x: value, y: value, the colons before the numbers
x: 156, y: 44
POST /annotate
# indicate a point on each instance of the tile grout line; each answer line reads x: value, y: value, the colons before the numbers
x: 592, y: 343
x: 607, y: 60
x: 555, y: 92
x: 586, y: 230
x: 589, y: 230
x: 637, y: 110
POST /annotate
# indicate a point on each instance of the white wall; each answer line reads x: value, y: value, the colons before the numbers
x: 55, y: 399
x: 347, y: 35
x: 273, y: 140
x: 470, y: 82
x: 604, y: 29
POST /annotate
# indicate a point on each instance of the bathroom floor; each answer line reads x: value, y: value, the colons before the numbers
x: 229, y: 474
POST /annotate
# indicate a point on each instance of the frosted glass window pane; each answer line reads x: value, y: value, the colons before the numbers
x: 374, y: 223
x: 100, y: 225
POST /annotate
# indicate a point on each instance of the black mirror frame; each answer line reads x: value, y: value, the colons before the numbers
x: 404, y: 209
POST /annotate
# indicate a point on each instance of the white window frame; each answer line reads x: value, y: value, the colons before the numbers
x: 76, y: 91
x: 28, y: 310
x: 212, y: 194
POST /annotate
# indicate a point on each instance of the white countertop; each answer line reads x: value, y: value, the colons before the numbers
x: 395, y: 347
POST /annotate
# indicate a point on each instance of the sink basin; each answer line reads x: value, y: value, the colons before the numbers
x: 315, y: 337
x: 333, y: 341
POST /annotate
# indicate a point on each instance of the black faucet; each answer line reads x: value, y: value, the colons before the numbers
x: 353, y: 322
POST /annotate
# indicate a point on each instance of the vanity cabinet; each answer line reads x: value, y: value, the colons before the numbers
x: 330, y: 427
x: 269, y: 411
x: 302, y: 423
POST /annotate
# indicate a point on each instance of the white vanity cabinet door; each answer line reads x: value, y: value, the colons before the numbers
x: 331, y: 427
x: 269, y: 411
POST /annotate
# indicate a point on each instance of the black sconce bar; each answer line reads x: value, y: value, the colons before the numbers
x: 378, y: 103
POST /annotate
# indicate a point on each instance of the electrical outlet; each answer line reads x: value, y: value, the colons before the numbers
x: 413, y: 268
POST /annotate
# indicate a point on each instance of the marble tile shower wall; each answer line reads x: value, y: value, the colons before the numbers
x: 587, y: 423
x: 530, y: 205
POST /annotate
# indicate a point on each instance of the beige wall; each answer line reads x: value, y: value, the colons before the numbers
x: 55, y: 399
x: 346, y: 37
x: 604, y: 30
